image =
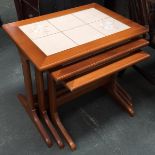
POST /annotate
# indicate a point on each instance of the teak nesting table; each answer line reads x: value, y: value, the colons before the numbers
x: 79, y: 50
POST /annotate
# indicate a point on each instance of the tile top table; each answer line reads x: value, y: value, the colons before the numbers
x: 71, y: 30
x: 82, y: 49
x: 80, y: 31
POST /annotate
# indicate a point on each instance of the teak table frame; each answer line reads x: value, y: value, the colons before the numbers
x: 97, y: 71
x: 30, y: 53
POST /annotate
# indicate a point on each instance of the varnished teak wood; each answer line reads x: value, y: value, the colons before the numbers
x: 28, y: 103
x: 43, y: 62
x: 105, y: 71
x: 97, y: 60
x: 103, y: 76
x: 55, y: 115
x: 42, y: 107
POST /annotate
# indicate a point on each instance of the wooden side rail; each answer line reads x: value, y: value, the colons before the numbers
x: 106, y: 71
x: 98, y: 60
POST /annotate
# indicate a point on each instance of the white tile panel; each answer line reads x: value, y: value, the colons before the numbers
x: 54, y: 43
x: 83, y: 34
x: 38, y: 29
x: 109, y: 26
x: 65, y: 32
x: 66, y: 22
x: 90, y: 15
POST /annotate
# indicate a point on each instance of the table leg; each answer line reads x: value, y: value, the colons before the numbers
x: 28, y: 102
x: 124, y: 94
x: 121, y: 96
x: 42, y: 106
x: 54, y: 113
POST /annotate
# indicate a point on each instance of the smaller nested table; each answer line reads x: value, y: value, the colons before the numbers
x: 80, y: 49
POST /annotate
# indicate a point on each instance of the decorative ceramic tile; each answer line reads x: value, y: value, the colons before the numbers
x: 66, y: 22
x: 54, y: 43
x: 90, y: 15
x: 64, y: 32
x: 83, y: 34
x: 109, y: 26
x: 38, y: 29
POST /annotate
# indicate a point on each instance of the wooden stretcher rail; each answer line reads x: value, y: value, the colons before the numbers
x: 106, y: 71
x: 69, y: 96
x: 100, y: 59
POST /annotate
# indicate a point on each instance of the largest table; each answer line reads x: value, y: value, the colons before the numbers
x: 46, y: 61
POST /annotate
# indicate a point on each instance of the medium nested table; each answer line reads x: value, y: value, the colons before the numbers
x: 79, y: 50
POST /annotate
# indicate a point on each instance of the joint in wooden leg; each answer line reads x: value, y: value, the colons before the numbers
x: 54, y: 113
x: 43, y: 108
x: 34, y: 116
x: 64, y: 132
x: 53, y: 130
x: 122, y: 97
x: 123, y: 91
